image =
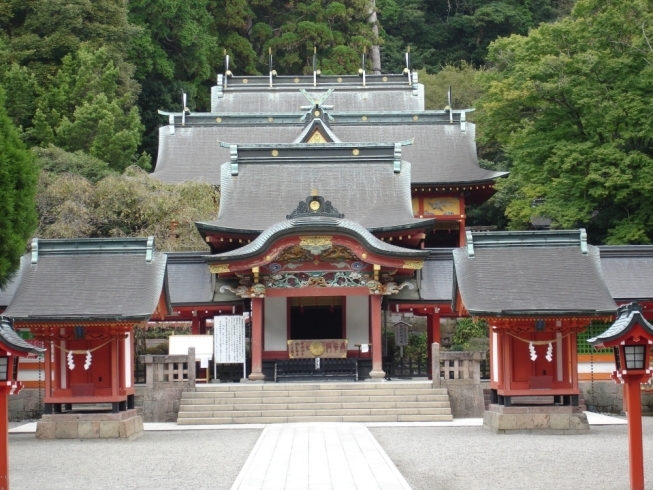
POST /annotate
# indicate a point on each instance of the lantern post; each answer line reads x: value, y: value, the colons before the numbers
x: 631, y: 337
x: 11, y: 348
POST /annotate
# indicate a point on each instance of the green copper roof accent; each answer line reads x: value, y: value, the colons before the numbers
x: 86, y: 246
x: 548, y: 238
x: 240, y: 83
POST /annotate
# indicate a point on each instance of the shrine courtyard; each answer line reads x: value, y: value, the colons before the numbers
x: 428, y: 457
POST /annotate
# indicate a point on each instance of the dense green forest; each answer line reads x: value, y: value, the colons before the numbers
x: 563, y: 92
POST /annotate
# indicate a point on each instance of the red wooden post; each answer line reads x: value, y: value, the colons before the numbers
x: 195, y: 324
x: 635, y: 444
x: 377, y: 352
x: 4, y: 445
x: 257, y: 340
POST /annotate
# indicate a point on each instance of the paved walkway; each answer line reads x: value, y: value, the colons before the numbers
x: 318, y: 456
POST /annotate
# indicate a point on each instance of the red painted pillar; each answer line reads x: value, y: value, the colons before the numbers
x: 635, y: 448
x: 4, y: 445
x: 195, y: 325
x: 377, y: 350
x: 257, y: 340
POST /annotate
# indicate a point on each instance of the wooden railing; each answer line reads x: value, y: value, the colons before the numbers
x: 455, y: 366
x: 170, y: 369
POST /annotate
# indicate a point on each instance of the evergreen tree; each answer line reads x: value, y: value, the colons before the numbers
x: 18, y: 176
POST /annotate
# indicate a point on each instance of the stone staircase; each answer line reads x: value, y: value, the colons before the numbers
x: 270, y: 403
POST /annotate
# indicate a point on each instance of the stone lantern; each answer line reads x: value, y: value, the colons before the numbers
x: 631, y: 337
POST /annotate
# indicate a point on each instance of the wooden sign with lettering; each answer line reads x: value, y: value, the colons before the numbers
x: 308, y: 349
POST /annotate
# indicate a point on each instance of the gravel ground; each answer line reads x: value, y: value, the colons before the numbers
x: 202, y: 459
x: 470, y: 458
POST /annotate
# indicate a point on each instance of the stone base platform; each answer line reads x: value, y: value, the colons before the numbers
x: 535, y: 419
x: 95, y: 425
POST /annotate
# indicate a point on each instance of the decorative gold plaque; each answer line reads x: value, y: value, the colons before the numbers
x: 415, y: 118
x: 296, y: 80
x: 270, y: 119
x: 315, y: 205
x: 339, y: 80
x: 245, y: 80
x: 316, y: 113
x: 314, y: 241
x: 413, y: 264
x: 385, y: 79
x: 218, y: 119
x: 364, y: 118
x: 355, y: 151
x: 275, y: 153
x: 219, y: 268
x: 316, y: 137
x: 317, y: 348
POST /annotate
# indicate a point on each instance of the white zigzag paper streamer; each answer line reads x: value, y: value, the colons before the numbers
x: 531, y: 348
x: 71, y: 362
x: 549, y: 352
x: 89, y: 358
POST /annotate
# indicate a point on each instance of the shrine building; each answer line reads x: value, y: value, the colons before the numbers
x: 335, y: 192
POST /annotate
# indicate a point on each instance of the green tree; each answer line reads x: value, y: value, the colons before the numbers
x: 18, y: 176
x: 57, y: 161
x: 465, y: 88
x: 571, y: 104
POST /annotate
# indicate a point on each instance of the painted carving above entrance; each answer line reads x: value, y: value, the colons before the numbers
x: 333, y: 280
x: 310, y: 249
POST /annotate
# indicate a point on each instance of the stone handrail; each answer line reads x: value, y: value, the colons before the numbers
x: 170, y: 369
x: 455, y: 366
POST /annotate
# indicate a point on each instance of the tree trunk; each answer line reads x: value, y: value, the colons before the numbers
x: 375, y: 52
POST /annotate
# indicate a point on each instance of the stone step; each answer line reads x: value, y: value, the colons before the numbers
x: 221, y: 387
x: 321, y: 418
x: 312, y: 393
x: 311, y: 406
x: 325, y: 399
x: 334, y: 412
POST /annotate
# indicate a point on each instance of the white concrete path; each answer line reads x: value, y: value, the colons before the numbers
x: 318, y: 456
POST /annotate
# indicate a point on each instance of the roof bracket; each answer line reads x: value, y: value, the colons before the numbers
x: 397, y: 160
x: 35, y: 250
x: 583, y: 241
x: 233, y: 151
x: 220, y: 88
x: 470, y: 243
x: 171, y: 122
x: 463, y: 124
x: 415, y: 83
x: 150, y: 249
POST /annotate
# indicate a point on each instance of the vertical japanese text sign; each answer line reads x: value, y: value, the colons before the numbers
x: 229, y: 339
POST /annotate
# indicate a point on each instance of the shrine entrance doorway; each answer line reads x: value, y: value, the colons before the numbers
x: 317, y: 318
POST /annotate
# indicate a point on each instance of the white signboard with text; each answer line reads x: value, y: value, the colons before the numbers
x: 229, y: 340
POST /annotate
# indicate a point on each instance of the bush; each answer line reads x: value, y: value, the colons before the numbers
x: 466, y: 330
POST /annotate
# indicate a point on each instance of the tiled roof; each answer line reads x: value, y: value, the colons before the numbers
x: 13, y: 341
x: 628, y: 271
x: 189, y: 278
x: 437, y: 276
x: 343, y: 99
x: 370, y: 194
x: 90, y: 279
x: 440, y: 154
x: 528, y: 279
x: 7, y: 294
x: 317, y: 224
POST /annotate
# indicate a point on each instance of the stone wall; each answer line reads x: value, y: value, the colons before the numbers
x: 607, y: 397
x: 167, y: 378
x: 26, y: 405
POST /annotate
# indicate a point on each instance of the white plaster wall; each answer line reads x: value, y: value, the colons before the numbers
x: 275, y: 324
x: 357, y: 316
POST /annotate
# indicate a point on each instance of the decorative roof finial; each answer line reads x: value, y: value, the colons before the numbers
x: 314, y: 192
